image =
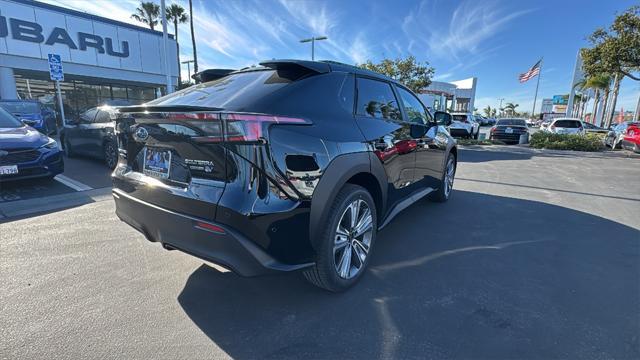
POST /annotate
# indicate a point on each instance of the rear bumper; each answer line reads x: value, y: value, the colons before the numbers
x: 457, y: 132
x: 507, y: 138
x: 177, y: 231
x: 629, y: 145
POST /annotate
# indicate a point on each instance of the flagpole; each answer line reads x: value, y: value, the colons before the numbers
x: 535, y: 98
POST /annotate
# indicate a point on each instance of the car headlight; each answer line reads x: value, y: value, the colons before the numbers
x: 52, y: 144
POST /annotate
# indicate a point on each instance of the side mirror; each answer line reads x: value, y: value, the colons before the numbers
x: 443, y: 118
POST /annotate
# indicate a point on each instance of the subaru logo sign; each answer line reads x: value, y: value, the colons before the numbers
x: 141, y: 134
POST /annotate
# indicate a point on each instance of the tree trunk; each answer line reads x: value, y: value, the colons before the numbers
x: 605, y: 101
x: 193, y: 38
x: 175, y: 33
x: 596, y: 100
x: 636, y: 116
x: 614, y: 100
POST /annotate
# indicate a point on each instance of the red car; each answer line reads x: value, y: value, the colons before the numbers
x: 631, y: 138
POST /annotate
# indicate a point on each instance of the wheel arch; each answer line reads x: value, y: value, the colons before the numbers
x: 355, y: 168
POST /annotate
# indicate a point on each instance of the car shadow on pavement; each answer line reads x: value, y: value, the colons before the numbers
x: 481, y: 276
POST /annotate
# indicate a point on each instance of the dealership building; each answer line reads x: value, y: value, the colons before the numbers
x: 104, y: 61
x: 459, y: 96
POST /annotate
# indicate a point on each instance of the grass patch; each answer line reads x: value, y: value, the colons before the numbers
x: 546, y: 140
x: 479, y: 142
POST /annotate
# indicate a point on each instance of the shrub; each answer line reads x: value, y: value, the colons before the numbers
x: 479, y: 142
x: 547, y: 140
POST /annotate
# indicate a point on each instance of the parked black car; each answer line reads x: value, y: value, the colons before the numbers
x: 509, y: 130
x: 294, y: 165
x: 92, y: 134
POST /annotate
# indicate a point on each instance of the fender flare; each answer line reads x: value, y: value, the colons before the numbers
x: 337, y: 173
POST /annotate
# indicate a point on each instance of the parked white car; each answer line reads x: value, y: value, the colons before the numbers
x: 566, y: 126
x: 464, y: 125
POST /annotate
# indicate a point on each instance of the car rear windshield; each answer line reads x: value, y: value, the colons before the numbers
x: 17, y: 107
x: 511, y: 122
x: 568, y: 124
x: 8, y: 121
x: 231, y: 91
x: 460, y: 117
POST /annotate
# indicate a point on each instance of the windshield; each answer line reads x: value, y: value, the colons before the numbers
x: 8, y: 121
x: 19, y: 107
x: 511, y: 122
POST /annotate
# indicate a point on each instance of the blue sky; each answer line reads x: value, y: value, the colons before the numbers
x: 492, y: 40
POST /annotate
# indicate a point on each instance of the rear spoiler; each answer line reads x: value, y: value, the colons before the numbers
x: 165, y: 108
x: 210, y: 75
x: 314, y: 66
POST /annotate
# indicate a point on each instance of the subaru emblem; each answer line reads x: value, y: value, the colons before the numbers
x: 141, y: 134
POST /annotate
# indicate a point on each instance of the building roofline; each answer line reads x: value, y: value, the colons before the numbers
x: 88, y: 16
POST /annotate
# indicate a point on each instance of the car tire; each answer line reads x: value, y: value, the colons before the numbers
x: 110, y: 152
x: 66, y: 147
x: 340, y: 251
x: 446, y: 183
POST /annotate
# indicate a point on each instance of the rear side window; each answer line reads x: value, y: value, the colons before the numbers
x: 103, y: 117
x: 568, y: 124
x: 376, y: 99
x: 231, y: 91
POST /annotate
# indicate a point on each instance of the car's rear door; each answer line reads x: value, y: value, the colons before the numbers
x: 78, y: 135
x: 379, y: 117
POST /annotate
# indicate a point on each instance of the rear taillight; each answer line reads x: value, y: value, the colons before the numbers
x: 552, y: 127
x: 493, y: 129
x: 250, y: 127
x: 238, y: 127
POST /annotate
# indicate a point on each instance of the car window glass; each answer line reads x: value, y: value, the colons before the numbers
x: 88, y: 115
x: 376, y: 99
x: 103, y: 117
x: 416, y: 113
x: 346, y: 95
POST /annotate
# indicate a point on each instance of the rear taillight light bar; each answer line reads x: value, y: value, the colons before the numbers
x: 238, y: 127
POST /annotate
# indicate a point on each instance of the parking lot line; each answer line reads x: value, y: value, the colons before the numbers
x: 75, y: 185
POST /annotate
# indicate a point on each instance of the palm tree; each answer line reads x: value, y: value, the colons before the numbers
x: 177, y: 14
x: 147, y: 13
x: 487, y: 111
x: 193, y: 38
x: 597, y: 83
x: 510, y: 108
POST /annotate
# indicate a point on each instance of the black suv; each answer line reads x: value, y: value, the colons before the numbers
x: 92, y: 134
x: 293, y: 165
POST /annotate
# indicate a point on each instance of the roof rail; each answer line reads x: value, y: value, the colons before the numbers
x: 314, y: 66
x: 210, y: 75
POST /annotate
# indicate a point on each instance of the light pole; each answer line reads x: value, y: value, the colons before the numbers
x: 188, y: 62
x: 313, y: 40
x: 500, y: 107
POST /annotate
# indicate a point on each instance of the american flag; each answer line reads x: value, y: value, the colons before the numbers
x: 531, y: 73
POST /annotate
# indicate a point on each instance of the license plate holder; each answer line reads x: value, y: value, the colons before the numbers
x: 9, y: 170
x: 509, y: 131
x: 157, y: 162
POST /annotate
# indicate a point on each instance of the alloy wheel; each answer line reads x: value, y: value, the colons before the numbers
x: 449, y: 177
x: 110, y: 155
x: 353, y: 239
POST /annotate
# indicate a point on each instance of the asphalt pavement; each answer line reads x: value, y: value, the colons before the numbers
x: 536, y: 256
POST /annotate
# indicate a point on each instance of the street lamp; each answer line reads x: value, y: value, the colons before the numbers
x: 313, y: 40
x: 188, y: 62
x: 500, y: 108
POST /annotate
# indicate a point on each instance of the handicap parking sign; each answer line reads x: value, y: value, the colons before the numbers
x: 55, y: 67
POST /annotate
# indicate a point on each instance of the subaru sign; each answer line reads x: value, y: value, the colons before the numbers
x: 55, y: 68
